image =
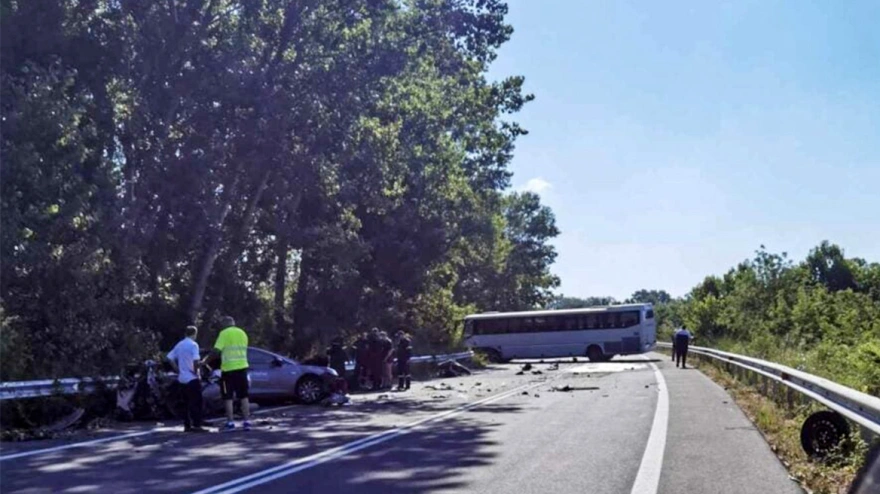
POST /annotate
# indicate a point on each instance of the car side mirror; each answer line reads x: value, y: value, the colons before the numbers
x: 277, y: 362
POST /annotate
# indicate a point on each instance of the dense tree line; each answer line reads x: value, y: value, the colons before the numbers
x: 821, y: 314
x: 310, y: 167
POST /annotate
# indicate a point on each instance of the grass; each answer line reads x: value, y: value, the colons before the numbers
x: 779, y: 418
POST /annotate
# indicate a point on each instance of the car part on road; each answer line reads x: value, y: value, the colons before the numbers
x: 309, y: 389
x: 451, y: 368
x: 823, y: 432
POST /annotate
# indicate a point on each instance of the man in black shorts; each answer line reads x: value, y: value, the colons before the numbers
x: 232, y: 345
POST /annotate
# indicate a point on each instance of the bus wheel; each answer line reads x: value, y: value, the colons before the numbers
x: 594, y: 353
x: 493, y: 355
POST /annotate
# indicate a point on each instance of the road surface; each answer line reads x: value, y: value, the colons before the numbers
x: 632, y: 425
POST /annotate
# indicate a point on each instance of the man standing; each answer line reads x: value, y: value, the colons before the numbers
x: 387, y: 360
x: 232, y: 345
x: 683, y: 338
x: 404, y: 353
x: 184, y: 357
x: 362, y: 360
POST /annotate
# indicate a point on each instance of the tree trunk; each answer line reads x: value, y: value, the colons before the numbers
x: 301, y: 313
x: 281, y: 250
x: 216, y: 242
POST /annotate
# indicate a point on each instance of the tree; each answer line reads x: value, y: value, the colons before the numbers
x: 828, y: 267
x: 656, y: 297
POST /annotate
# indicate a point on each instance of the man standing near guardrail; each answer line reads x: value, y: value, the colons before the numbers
x: 184, y: 357
x: 683, y: 338
x: 232, y: 345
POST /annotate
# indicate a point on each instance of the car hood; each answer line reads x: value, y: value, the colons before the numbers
x: 317, y: 370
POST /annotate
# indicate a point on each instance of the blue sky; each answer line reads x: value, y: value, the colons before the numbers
x: 673, y: 138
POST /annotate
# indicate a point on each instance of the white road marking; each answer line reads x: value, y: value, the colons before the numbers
x: 295, y: 466
x: 648, y: 477
x: 36, y: 452
x: 118, y: 437
x: 605, y: 367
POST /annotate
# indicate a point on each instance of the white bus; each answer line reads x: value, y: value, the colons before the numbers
x: 599, y: 333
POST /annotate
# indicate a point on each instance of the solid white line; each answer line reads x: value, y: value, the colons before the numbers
x: 648, y: 477
x: 74, y: 445
x: 36, y: 452
x: 295, y: 466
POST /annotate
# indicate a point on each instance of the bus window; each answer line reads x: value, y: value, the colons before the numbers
x: 514, y: 325
x: 629, y: 319
x: 478, y: 326
x: 569, y: 323
x: 539, y: 325
x: 528, y: 325
x: 649, y: 314
x: 590, y: 321
x: 499, y: 326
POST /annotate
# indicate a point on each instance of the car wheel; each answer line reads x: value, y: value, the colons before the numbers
x: 309, y: 390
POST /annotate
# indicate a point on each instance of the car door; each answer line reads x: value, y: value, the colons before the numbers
x: 260, y: 370
x: 272, y: 375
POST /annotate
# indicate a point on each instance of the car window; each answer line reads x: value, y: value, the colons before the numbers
x: 257, y: 358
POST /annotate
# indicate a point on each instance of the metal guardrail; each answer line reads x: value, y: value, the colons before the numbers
x: 49, y: 387
x: 859, y: 407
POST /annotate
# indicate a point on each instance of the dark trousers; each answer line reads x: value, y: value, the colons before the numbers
x: 681, y: 351
x: 192, y: 395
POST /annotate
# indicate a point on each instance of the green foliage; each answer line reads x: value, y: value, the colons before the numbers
x: 311, y: 168
x: 822, y: 315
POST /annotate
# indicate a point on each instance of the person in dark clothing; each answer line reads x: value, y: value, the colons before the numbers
x: 376, y: 359
x: 683, y: 338
x: 337, y: 356
x: 361, y: 359
x: 404, y: 353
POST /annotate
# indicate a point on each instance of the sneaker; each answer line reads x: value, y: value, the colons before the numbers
x: 229, y: 427
x: 246, y: 425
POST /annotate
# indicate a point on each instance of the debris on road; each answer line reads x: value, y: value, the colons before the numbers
x: 439, y: 387
x: 451, y: 368
x: 567, y: 389
x: 520, y: 373
x: 554, y: 366
x: 527, y: 367
x: 439, y: 397
x: 526, y: 393
x: 574, y: 359
x: 536, y: 372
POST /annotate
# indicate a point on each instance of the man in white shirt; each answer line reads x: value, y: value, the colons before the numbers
x: 683, y: 338
x: 184, y: 357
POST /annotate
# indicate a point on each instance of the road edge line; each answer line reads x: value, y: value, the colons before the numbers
x: 648, y: 477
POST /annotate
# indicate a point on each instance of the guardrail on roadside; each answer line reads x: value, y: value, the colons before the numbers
x: 856, y: 406
x: 66, y: 386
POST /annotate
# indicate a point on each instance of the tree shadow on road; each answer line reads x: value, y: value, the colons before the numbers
x: 433, y: 456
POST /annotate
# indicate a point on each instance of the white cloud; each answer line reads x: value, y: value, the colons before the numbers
x: 537, y: 185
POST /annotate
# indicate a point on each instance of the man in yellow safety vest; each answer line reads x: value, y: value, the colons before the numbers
x: 232, y: 346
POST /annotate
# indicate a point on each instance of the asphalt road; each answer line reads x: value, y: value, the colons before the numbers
x: 619, y: 427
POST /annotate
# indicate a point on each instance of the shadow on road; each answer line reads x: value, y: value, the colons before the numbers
x: 428, y: 458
